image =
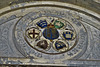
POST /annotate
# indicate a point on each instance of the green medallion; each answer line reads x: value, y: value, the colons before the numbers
x: 58, y: 24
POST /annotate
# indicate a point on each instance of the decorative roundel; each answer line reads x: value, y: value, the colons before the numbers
x: 51, y: 32
x: 68, y: 34
x: 60, y: 45
x: 50, y: 36
x: 54, y: 34
x: 32, y: 33
x: 43, y: 44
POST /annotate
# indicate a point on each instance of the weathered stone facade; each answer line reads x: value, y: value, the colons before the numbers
x: 66, y: 34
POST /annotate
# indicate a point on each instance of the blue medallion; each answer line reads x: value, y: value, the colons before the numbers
x: 60, y: 45
x: 51, y: 33
x: 42, y: 23
x: 68, y: 35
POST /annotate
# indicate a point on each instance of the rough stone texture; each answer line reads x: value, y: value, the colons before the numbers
x: 93, y: 5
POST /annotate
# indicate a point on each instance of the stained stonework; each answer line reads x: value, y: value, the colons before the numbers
x: 49, y: 33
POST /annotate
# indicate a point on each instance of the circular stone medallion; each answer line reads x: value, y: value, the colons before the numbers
x: 51, y: 33
x: 47, y: 35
